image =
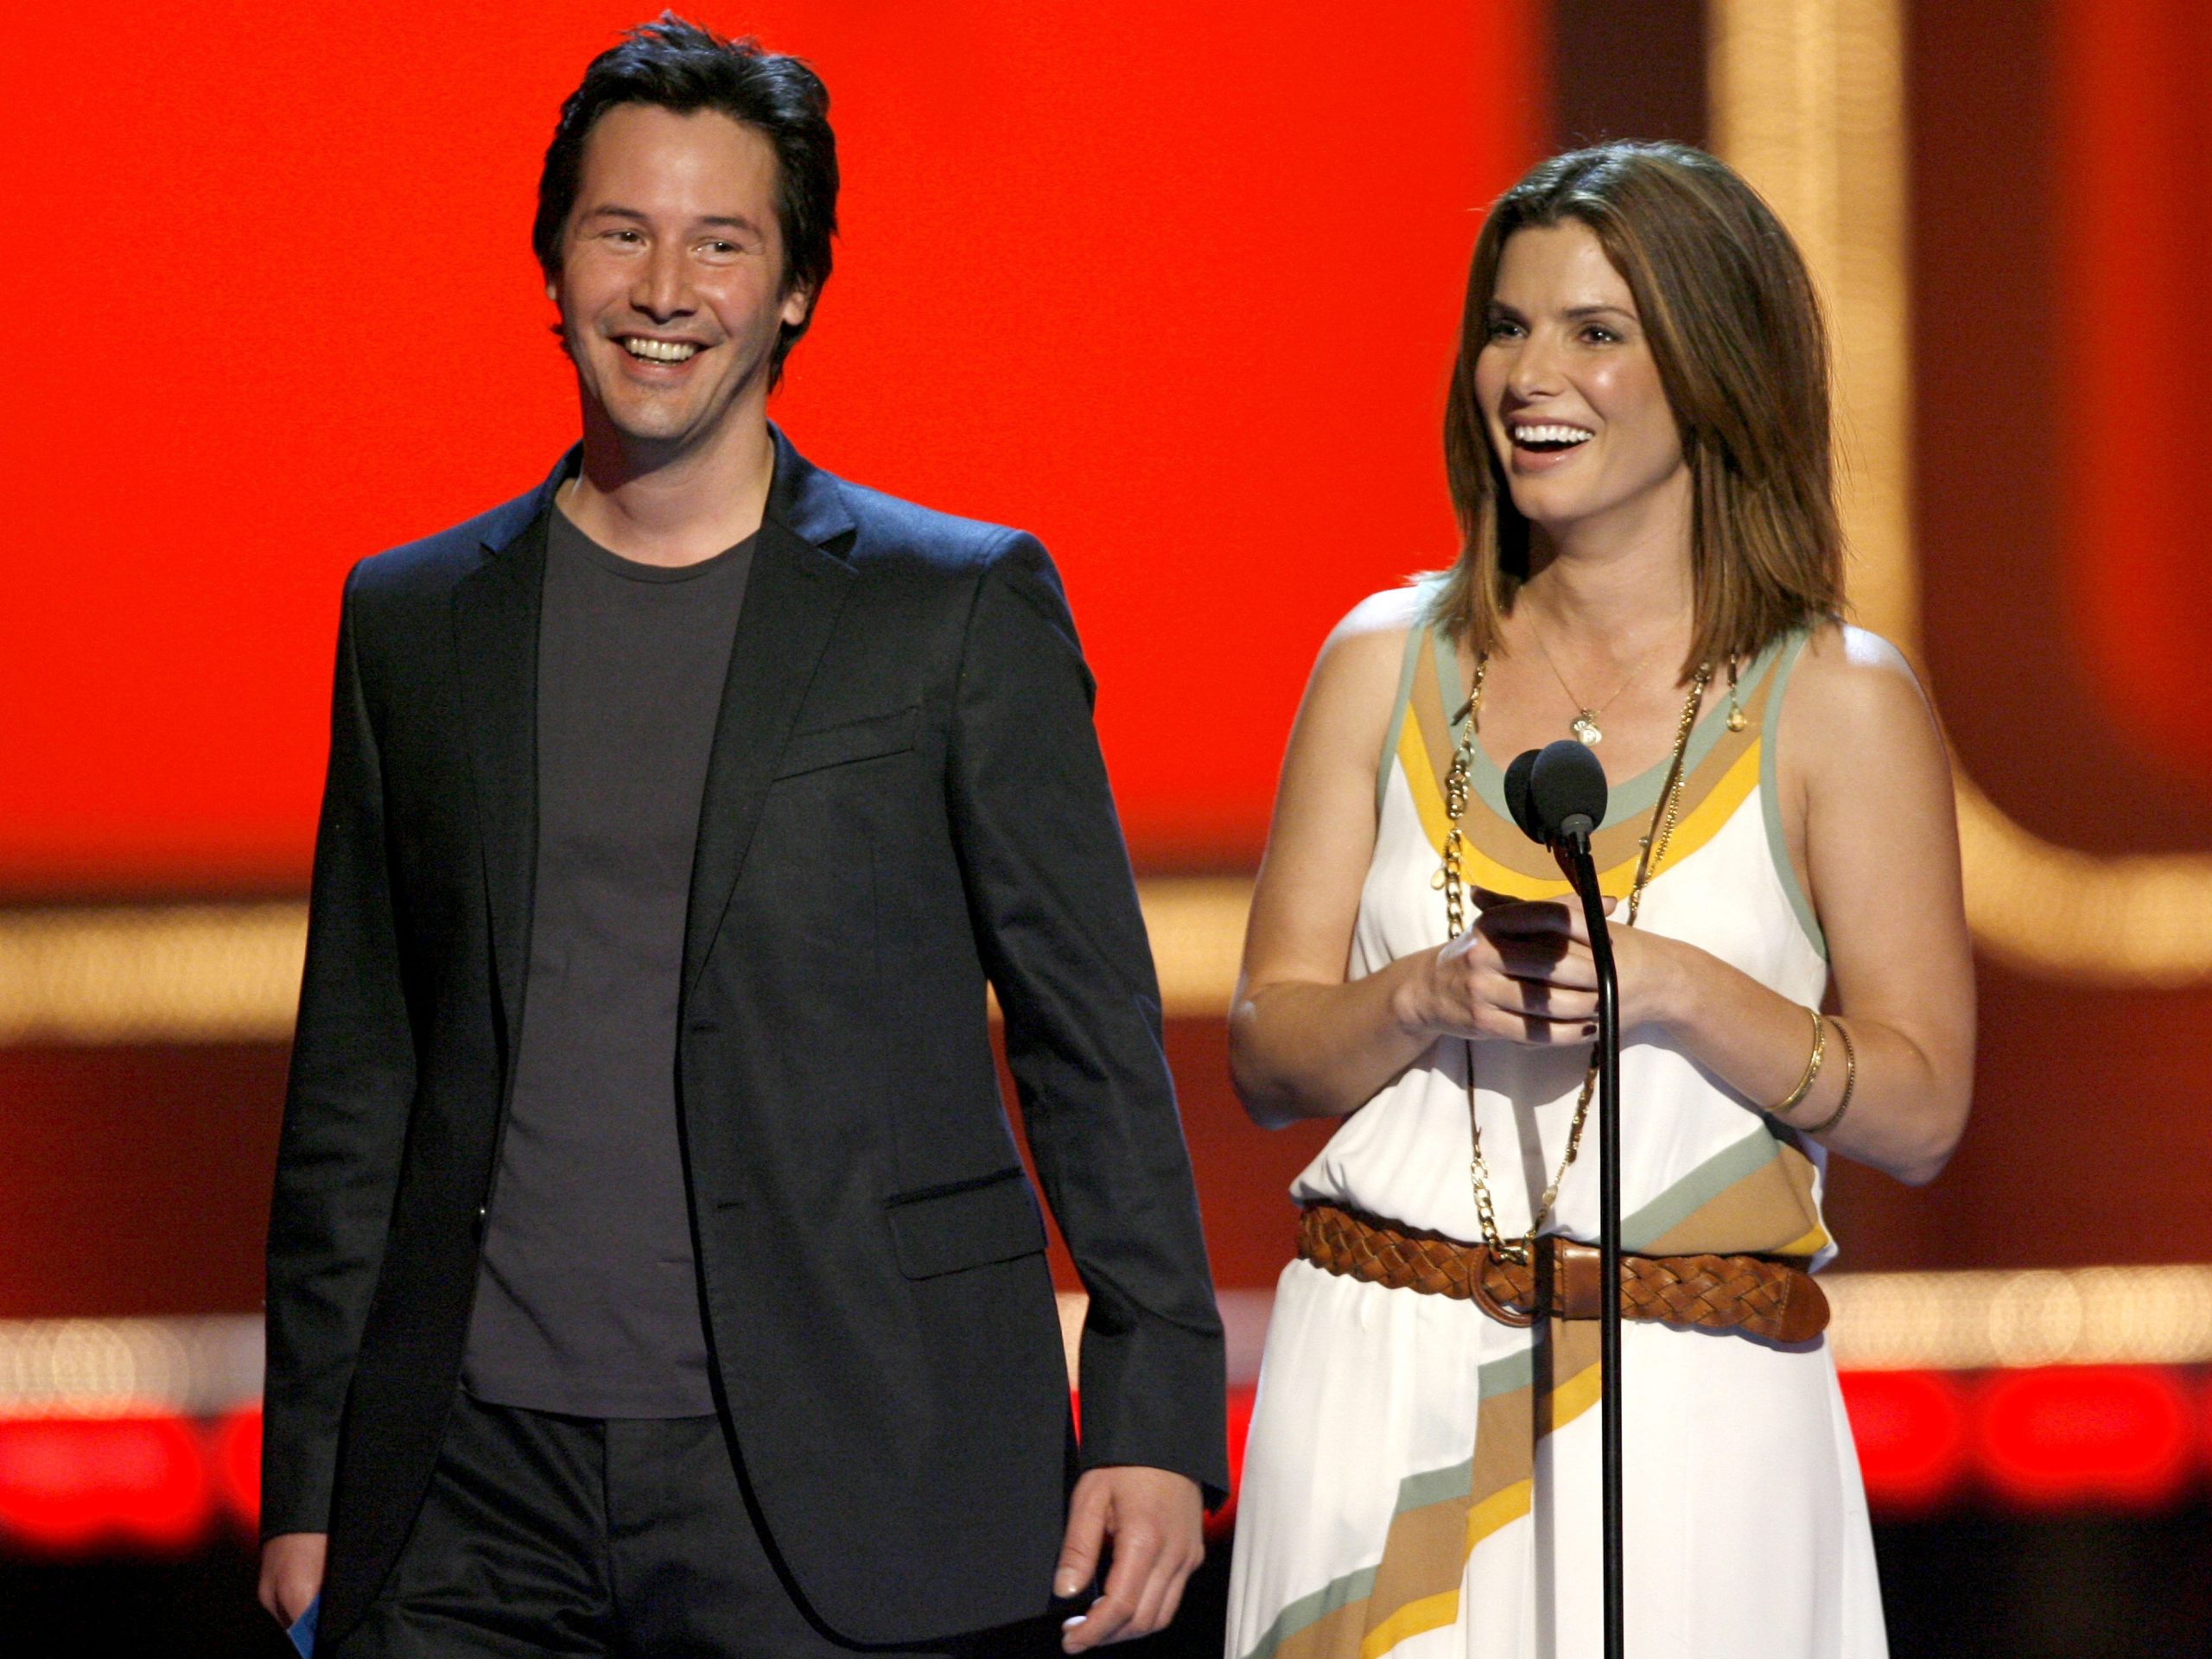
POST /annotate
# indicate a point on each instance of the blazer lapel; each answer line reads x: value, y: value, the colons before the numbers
x: 495, y: 611
x: 793, y: 598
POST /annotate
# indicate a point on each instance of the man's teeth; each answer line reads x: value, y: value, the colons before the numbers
x: 1569, y: 435
x: 660, y: 351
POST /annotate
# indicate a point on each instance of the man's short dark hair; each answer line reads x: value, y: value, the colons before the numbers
x: 676, y: 65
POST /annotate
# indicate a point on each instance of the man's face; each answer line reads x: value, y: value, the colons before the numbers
x: 671, y: 278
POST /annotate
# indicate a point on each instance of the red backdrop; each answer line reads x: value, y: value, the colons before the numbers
x: 2135, y: 128
x: 1174, y: 286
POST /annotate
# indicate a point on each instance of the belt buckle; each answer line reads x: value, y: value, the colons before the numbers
x: 1505, y: 1312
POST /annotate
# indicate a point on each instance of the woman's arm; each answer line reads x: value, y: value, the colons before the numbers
x: 1302, y: 1041
x: 1867, y: 785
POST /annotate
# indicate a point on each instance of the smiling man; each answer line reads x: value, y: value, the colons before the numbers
x: 652, y: 1269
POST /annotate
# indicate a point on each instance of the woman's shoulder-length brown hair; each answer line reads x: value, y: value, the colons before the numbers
x: 1735, y: 329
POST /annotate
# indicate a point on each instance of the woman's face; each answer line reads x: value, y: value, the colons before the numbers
x: 1570, y: 393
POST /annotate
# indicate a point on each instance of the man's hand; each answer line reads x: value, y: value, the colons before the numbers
x: 291, y: 1574
x: 1156, y: 1521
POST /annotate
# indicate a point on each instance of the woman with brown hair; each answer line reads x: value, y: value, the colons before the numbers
x: 1638, y: 448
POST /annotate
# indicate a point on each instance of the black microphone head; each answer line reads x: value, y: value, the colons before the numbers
x: 1565, y: 781
x: 1516, y: 795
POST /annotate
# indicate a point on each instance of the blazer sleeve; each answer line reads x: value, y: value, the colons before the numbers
x: 345, y: 1106
x: 1054, y: 908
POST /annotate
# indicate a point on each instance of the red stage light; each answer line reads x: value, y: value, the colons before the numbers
x: 2094, y: 1434
x: 74, y: 1483
x: 2046, y: 1438
x: 1911, y: 1427
x: 1223, y: 1521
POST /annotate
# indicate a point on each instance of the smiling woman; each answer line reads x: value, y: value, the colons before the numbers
x: 1637, y: 443
x: 1695, y: 402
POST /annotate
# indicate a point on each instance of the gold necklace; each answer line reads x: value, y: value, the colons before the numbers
x: 1585, y: 724
x: 1651, y: 852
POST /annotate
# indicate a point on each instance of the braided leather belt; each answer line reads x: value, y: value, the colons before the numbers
x: 1751, y: 1293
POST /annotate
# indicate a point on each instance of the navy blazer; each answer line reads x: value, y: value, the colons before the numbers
x: 904, y: 801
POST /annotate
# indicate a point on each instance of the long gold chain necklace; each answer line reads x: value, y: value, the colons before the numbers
x: 1585, y: 724
x: 1651, y: 851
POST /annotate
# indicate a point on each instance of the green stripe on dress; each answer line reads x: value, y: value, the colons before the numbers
x: 1399, y: 709
x: 1699, y: 1188
x: 1450, y: 1485
x: 1435, y: 1486
x: 1632, y: 797
x: 1516, y: 1371
x: 1310, y: 1610
x: 1770, y: 798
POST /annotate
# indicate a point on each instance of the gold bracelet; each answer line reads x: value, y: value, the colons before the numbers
x: 1850, y: 1081
x: 1812, y: 1067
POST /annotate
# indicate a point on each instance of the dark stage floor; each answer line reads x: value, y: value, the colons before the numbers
x: 1968, y: 1586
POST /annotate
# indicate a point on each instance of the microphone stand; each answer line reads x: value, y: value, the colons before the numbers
x: 1573, y: 850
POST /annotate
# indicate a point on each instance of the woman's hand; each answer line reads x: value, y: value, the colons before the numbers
x: 1524, y: 973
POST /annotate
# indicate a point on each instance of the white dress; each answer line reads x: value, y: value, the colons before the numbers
x: 1423, y: 1481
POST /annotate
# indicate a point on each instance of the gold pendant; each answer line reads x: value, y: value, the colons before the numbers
x: 1736, y: 720
x: 1585, y: 726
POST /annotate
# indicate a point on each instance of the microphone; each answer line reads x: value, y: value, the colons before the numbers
x: 1516, y: 795
x: 1557, y: 794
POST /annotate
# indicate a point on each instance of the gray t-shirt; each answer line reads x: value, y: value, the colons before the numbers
x: 588, y: 1300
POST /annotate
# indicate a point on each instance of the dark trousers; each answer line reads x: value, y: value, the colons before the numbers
x: 548, y: 1535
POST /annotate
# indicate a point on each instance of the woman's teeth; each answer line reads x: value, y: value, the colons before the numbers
x: 1550, y: 437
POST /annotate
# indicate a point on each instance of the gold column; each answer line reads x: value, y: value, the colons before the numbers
x: 231, y: 973
x: 1807, y: 102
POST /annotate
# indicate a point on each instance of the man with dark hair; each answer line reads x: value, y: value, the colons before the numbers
x: 651, y: 1266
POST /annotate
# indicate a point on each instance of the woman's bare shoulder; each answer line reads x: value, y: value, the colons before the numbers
x: 1855, y: 703
x: 1355, y: 677
x: 1850, y: 673
x: 1372, y: 633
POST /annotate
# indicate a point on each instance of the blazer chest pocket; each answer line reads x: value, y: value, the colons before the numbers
x: 867, y: 739
x: 967, y: 1224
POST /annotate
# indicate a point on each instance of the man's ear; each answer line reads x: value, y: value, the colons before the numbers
x: 559, y: 327
x: 797, y: 301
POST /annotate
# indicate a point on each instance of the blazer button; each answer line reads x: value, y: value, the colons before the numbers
x: 482, y: 1214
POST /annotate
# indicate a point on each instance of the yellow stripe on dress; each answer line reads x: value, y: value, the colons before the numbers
x: 1696, y: 829
x: 1755, y: 1195
x: 1706, y: 820
x: 1445, y: 1514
